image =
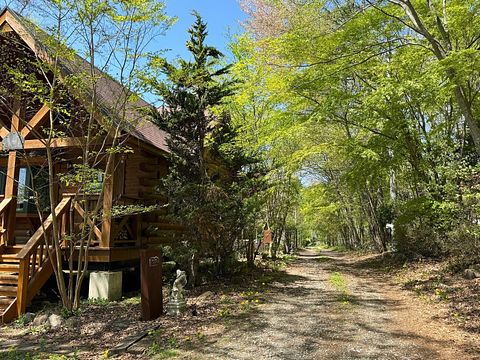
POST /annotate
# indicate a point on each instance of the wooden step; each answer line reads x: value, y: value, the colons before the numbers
x: 9, y: 267
x: 6, y: 300
x: 11, y: 258
x: 8, y: 278
x: 8, y: 258
x: 8, y: 290
x: 15, y: 249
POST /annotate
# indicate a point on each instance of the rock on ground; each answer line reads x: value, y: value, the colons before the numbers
x: 55, y: 321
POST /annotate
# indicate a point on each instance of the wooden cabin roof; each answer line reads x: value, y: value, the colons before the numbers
x: 112, y: 97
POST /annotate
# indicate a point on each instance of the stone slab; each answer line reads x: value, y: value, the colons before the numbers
x: 105, y: 285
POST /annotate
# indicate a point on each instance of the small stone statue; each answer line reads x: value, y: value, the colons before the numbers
x: 177, y: 304
x: 179, y: 284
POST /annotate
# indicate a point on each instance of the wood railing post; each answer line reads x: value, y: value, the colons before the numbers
x: 4, y: 209
x: 107, y: 204
x: 22, y: 286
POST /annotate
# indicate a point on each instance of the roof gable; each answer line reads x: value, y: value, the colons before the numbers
x: 114, y: 100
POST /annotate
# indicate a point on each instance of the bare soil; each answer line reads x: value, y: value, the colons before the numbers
x: 326, y: 305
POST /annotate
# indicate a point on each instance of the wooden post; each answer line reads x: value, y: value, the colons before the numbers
x: 107, y: 204
x: 12, y: 175
x: 151, y: 283
x: 22, y: 286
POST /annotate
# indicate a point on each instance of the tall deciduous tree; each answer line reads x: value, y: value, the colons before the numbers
x: 381, y: 98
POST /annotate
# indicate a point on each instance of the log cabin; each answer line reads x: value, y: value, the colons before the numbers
x: 132, y: 178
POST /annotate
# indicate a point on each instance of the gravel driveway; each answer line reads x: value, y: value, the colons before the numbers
x: 326, y: 308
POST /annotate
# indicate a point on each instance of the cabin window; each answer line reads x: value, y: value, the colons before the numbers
x: 29, y: 178
x: 23, y: 191
x: 25, y: 202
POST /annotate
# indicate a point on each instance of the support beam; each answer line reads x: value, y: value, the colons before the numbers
x: 78, y: 142
x: 55, y: 143
x: 12, y: 175
x: 4, y: 132
x: 108, y: 203
x: 3, y: 19
x: 35, y: 121
x: 11, y: 193
x: 81, y: 212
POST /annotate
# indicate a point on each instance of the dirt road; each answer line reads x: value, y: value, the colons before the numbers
x: 326, y: 305
x: 329, y: 308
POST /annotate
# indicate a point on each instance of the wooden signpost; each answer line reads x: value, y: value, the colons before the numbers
x: 151, y: 283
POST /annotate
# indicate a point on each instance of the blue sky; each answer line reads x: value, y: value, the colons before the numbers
x: 222, y: 17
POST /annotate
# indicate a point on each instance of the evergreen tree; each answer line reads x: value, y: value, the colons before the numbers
x: 205, y: 183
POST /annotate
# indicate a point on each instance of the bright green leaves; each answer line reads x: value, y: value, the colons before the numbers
x: 364, y: 103
x: 140, y: 11
x: 87, y: 179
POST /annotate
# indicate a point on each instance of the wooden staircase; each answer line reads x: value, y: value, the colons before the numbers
x: 24, y: 269
x: 9, y: 269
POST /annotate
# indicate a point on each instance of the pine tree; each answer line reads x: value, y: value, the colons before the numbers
x: 204, y: 184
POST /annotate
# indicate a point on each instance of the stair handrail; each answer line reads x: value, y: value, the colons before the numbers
x: 38, y: 237
x: 4, y: 205
x: 30, y: 265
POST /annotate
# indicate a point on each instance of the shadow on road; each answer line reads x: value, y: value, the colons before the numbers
x: 304, y: 317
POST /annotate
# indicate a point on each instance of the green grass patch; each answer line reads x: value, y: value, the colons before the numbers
x: 134, y: 299
x: 250, y: 300
x: 156, y: 351
x: 338, y: 281
x: 289, y: 258
x: 320, y: 246
x: 166, y: 354
x: 225, y: 312
x: 339, y: 248
x: 340, y: 284
x: 162, y: 350
x: 280, y: 263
